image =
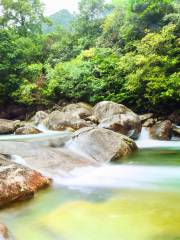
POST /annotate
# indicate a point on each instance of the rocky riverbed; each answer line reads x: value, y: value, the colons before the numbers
x: 96, y: 135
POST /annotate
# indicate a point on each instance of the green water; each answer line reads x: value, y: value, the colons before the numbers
x: 155, y: 157
x: 91, y: 213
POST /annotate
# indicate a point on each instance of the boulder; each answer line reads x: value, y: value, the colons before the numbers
x: 146, y: 116
x: 27, y: 130
x: 7, y: 126
x: 175, y: 117
x: 118, y: 118
x: 101, y: 144
x: 106, y: 109
x: 161, y: 130
x: 80, y: 110
x: 149, y: 122
x: 50, y: 157
x: 124, y: 124
x: 17, y: 182
x: 19, y: 124
x: 39, y: 117
x: 60, y: 121
x: 176, y: 131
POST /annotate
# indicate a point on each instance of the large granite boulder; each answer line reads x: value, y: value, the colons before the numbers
x: 101, y: 144
x: 118, y: 118
x: 7, y: 126
x: 60, y: 121
x: 80, y: 110
x: 28, y: 129
x: 161, y: 130
x: 17, y: 182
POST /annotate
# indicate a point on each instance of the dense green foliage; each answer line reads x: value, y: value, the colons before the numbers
x: 126, y: 51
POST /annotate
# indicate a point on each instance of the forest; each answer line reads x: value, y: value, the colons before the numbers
x: 126, y: 51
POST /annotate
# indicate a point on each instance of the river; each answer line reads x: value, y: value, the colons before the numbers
x: 135, y: 199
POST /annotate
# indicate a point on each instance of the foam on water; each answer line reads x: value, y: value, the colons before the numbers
x: 117, y: 176
x: 123, y: 176
x: 29, y: 137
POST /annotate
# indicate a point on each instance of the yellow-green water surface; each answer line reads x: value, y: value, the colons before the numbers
x: 86, y: 213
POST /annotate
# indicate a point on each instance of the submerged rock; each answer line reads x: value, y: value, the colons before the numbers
x: 101, y: 144
x: 7, y: 126
x: 161, y: 130
x: 60, y: 121
x: 4, y: 233
x: 17, y: 182
x: 118, y: 118
x: 27, y: 130
x: 80, y: 110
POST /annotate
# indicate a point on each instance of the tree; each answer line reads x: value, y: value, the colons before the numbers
x: 151, y: 72
x: 20, y: 65
x: 25, y: 16
x: 132, y: 18
x: 87, y: 25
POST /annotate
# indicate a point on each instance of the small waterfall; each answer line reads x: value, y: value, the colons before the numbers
x: 145, y: 141
x: 42, y: 127
x: 144, y: 135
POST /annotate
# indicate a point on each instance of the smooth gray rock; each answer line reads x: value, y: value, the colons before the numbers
x: 101, y: 144
x: 80, y: 110
x: 7, y: 126
x: 39, y: 117
x: 27, y: 129
x: 118, y: 118
x: 60, y: 121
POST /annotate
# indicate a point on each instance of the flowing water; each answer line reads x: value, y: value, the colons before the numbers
x: 137, y: 198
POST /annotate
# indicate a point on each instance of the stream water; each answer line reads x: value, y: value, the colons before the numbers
x: 137, y: 198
